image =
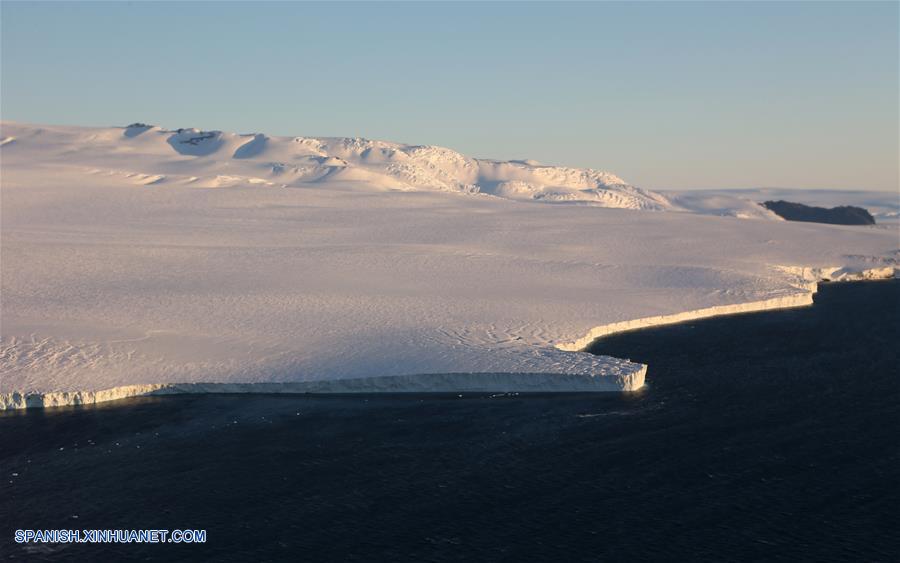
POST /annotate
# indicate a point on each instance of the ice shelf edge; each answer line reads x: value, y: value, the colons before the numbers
x: 807, y: 285
x: 421, y: 383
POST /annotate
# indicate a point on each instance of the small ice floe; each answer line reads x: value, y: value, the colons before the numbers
x: 610, y: 413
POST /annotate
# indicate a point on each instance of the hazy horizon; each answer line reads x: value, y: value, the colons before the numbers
x: 667, y: 96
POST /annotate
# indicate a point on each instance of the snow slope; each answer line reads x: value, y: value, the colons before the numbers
x: 133, y: 262
x: 884, y: 206
x: 143, y: 154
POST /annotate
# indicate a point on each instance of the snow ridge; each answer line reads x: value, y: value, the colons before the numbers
x: 298, y: 161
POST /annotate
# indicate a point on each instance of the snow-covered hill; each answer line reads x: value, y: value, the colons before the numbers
x: 151, y: 155
x: 377, y: 267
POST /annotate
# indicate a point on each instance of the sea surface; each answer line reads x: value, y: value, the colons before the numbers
x: 760, y: 437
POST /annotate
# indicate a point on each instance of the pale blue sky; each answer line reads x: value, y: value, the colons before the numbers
x: 673, y: 95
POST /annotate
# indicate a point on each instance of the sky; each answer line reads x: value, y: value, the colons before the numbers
x: 665, y: 95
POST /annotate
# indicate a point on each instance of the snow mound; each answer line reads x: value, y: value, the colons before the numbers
x: 195, y: 142
x: 136, y: 129
x: 723, y: 204
x: 253, y: 147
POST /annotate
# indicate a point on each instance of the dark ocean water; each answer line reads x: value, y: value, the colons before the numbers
x: 768, y: 436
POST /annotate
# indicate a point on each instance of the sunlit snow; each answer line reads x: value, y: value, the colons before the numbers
x: 146, y: 257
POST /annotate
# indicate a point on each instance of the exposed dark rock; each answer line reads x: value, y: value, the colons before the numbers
x: 843, y: 215
x: 196, y: 140
x: 136, y: 129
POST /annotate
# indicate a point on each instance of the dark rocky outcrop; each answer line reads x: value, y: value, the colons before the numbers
x: 136, y: 129
x: 843, y: 215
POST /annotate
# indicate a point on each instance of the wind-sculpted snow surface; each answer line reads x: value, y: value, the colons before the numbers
x: 312, y: 268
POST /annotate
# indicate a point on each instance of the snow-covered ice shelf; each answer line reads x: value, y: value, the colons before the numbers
x: 138, y: 260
